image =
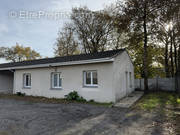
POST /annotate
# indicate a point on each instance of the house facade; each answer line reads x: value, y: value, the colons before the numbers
x: 104, y: 77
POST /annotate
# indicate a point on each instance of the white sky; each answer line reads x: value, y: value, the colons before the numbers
x: 40, y: 34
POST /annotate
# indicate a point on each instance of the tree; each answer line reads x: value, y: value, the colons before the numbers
x: 155, y: 60
x: 169, y: 35
x: 92, y: 29
x: 140, y: 18
x: 66, y: 44
x: 18, y: 53
x: 163, y: 37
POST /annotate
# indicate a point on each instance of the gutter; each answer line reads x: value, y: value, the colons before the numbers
x: 103, y: 60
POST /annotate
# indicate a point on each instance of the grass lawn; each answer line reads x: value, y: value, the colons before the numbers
x: 166, y: 106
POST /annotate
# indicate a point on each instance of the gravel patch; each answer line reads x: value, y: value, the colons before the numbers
x: 18, y: 117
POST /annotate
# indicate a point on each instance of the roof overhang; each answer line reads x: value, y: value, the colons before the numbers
x: 94, y: 61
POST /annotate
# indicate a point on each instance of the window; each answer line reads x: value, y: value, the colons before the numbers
x: 27, y: 80
x: 126, y: 73
x: 90, y: 78
x: 56, y: 80
x: 130, y: 79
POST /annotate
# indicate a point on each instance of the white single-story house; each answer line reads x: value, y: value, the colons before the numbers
x: 104, y: 77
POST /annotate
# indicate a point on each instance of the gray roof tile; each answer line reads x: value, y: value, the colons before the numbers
x: 80, y: 57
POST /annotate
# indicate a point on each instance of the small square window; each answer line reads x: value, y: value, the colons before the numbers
x: 90, y: 78
x: 27, y: 80
x: 56, y: 80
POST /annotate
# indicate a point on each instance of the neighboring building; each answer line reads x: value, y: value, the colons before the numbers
x: 104, y: 77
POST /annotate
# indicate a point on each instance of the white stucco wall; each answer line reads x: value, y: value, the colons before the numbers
x: 111, y: 80
x: 121, y: 65
x: 72, y: 80
x: 6, y: 82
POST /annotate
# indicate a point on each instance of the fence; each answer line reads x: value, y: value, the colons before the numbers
x: 178, y: 82
x: 165, y: 84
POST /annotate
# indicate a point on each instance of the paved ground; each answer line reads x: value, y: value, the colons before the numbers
x: 26, y: 118
x: 129, y: 100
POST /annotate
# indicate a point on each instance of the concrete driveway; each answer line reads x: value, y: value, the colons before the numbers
x: 19, y: 117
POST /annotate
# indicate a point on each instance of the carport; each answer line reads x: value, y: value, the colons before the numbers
x: 6, y: 81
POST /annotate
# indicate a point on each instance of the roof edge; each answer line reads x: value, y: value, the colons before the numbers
x: 124, y: 49
x: 101, y: 60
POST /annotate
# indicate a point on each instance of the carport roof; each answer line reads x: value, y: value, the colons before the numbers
x: 74, y: 58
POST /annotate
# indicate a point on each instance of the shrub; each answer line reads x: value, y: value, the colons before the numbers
x: 20, y: 94
x: 92, y: 100
x: 74, y: 96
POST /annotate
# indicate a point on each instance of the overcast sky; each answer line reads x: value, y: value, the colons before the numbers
x: 35, y: 23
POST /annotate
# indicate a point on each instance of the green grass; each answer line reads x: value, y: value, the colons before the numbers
x: 158, y: 99
x: 51, y: 100
x: 178, y: 100
x: 164, y: 104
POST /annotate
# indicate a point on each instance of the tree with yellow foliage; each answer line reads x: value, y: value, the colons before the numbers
x: 18, y: 53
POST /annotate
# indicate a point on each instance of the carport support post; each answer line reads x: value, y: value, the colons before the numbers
x: 14, y: 80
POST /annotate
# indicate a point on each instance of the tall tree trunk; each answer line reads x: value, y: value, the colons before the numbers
x: 166, y: 61
x: 171, y: 57
x: 145, y: 63
x: 175, y: 52
x: 175, y: 57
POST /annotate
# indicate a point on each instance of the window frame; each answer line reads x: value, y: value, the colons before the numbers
x: 84, y: 78
x: 24, y: 80
x: 58, y: 79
